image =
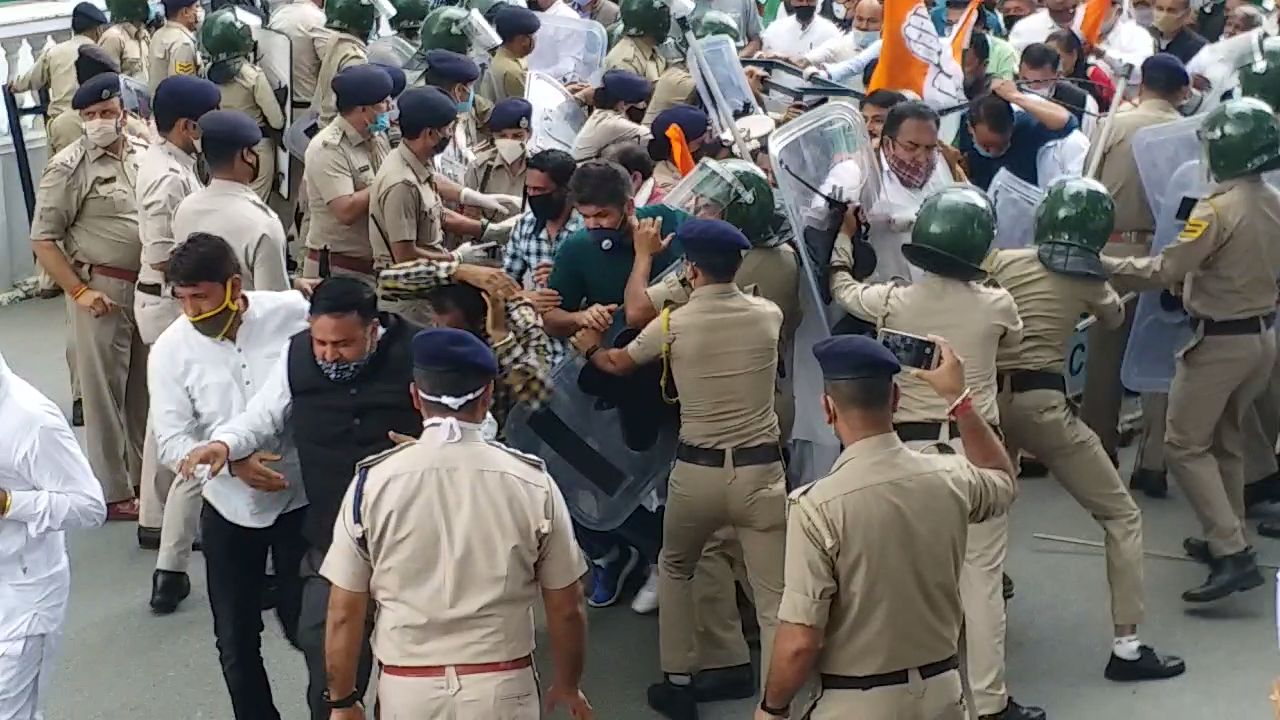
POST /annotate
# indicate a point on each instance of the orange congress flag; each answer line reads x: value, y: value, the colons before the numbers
x: 914, y: 58
x: 1095, y: 12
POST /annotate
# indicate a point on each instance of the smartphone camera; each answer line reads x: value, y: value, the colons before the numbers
x: 911, y: 350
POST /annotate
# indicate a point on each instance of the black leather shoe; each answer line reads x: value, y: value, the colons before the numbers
x: 1153, y: 483
x: 736, y: 682
x: 1006, y: 587
x: 673, y: 701
x: 1269, y: 528
x: 1265, y: 490
x: 1198, y: 550
x: 1014, y: 711
x: 148, y: 538
x: 168, y: 588
x: 1031, y: 468
x: 1227, y: 575
x: 77, y: 413
x: 1150, y: 665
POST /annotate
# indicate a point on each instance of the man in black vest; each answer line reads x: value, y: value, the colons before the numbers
x: 1040, y: 73
x: 340, y: 391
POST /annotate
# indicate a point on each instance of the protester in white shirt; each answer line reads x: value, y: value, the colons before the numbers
x: 866, y: 16
x: 559, y: 7
x: 202, y: 372
x: 46, y: 487
x: 797, y: 33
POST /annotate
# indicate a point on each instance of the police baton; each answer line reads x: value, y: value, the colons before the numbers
x: 1108, y: 123
x: 1088, y: 322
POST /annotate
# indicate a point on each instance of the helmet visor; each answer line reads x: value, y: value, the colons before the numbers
x: 707, y: 191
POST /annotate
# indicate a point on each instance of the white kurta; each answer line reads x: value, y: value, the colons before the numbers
x: 894, y: 214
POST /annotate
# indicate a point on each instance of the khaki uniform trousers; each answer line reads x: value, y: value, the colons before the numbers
x: 507, y: 695
x: 1216, y: 379
x: 73, y: 368
x: 415, y: 311
x: 982, y: 595
x: 719, y: 637
x: 935, y: 698
x: 154, y: 314
x: 113, y: 372
x: 1040, y: 422
x: 700, y: 501
x: 1262, y: 429
x: 1103, y: 393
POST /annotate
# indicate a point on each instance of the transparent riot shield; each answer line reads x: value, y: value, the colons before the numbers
x: 1160, y: 327
x: 726, y: 68
x: 571, y: 50
x: 1015, y: 201
x: 557, y: 116
x: 1219, y: 65
x: 299, y: 133
x: 275, y: 57
x: 1160, y: 150
x: 581, y: 437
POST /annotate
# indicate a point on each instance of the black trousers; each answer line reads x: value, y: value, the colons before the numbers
x: 235, y: 566
x: 311, y: 624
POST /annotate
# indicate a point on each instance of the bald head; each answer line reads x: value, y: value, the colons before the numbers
x: 868, y: 15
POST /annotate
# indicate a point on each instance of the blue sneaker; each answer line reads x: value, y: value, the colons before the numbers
x: 609, y: 579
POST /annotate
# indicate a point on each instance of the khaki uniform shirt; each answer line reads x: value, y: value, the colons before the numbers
x: 250, y: 92
x: 855, y: 565
x: 724, y: 358
x: 638, y: 56
x: 166, y: 175
x: 976, y: 319
x: 495, y: 529
x: 129, y: 45
x: 173, y: 52
x: 404, y: 207
x: 505, y: 78
x: 235, y: 213
x: 489, y: 173
x: 606, y: 12
x: 1225, y: 261
x: 88, y: 200
x: 1119, y: 171
x: 674, y: 87
x: 340, y: 162
x: 1050, y: 304
x: 343, y: 51
x: 303, y: 21
x: 66, y: 130
x: 55, y: 69
x: 603, y: 129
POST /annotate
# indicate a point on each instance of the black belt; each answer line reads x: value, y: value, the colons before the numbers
x: 1243, y: 326
x: 742, y: 457
x: 898, y: 677
x: 1028, y: 380
x: 150, y: 289
x: 912, y: 431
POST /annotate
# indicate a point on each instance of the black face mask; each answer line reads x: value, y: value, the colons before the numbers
x: 607, y: 238
x: 805, y: 13
x: 442, y: 145
x: 533, y: 5
x: 548, y: 206
x: 635, y: 114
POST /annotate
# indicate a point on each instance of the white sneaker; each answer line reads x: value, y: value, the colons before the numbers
x: 646, y: 599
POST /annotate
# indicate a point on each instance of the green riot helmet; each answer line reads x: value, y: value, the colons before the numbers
x: 445, y: 29
x: 1240, y: 137
x: 645, y: 18
x: 733, y: 190
x: 953, y: 233
x: 615, y: 34
x: 130, y: 11
x: 225, y: 38
x: 354, y: 17
x: 409, y: 16
x: 1073, y: 222
x: 486, y: 8
x: 1261, y: 79
x: 715, y: 22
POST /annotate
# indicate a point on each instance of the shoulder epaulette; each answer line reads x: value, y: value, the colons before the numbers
x: 527, y: 458
x: 379, y: 457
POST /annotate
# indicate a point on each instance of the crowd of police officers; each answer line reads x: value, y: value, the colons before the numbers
x: 861, y: 581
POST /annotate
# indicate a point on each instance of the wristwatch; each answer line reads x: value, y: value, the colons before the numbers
x: 782, y: 712
x: 341, y: 703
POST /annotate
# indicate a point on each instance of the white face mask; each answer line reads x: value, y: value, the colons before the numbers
x: 509, y: 150
x: 102, y: 133
x: 1144, y: 16
x: 839, y: 11
x: 862, y: 39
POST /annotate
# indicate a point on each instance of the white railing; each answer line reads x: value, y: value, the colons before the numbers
x: 26, y: 28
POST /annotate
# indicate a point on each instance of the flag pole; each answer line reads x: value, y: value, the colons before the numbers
x: 1108, y: 123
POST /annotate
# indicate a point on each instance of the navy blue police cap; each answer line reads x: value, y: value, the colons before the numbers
x: 692, y: 121
x: 701, y: 235
x: 398, y: 78
x: 95, y: 90
x: 511, y: 22
x: 173, y: 6
x: 452, y: 67
x: 511, y: 114
x: 184, y: 96
x: 361, y: 85
x: 453, y: 349
x: 229, y: 129
x: 626, y: 86
x: 92, y: 60
x: 424, y: 108
x: 1165, y: 70
x: 86, y: 16
x: 855, y: 357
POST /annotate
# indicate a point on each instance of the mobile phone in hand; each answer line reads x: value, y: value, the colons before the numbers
x: 911, y: 350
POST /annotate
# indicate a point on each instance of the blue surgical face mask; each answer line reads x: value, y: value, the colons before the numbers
x: 381, y: 123
x: 465, y: 106
x: 988, y: 154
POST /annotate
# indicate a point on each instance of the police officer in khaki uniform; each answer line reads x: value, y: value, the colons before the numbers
x: 351, y: 23
x: 1053, y: 285
x: 66, y: 129
x: 688, y: 125
x: 500, y: 168
x: 454, y: 640
x: 722, y: 351
x: 952, y: 234
x: 1224, y: 265
x: 620, y: 104
x: 341, y: 162
x: 878, y: 618
x: 456, y: 74
x: 87, y: 201
x: 127, y: 41
x: 1164, y: 84
x: 173, y: 47
x: 303, y: 21
x: 166, y: 175
x: 506, y: 76
x: 645, y: 26
x: 55, y: 67
x: 229, y: 43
